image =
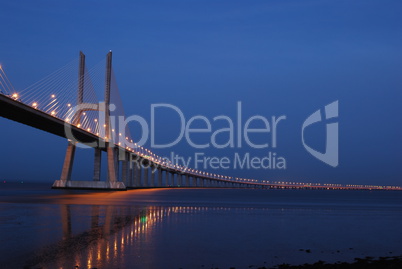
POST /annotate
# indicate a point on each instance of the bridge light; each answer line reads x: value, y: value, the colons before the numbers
x: 89, y: 129
x: 79, y: 125
x: 68, y: 105
x: 53, y: 113
x: 35, y: 105
x: 15, y: 95
x: 95, y: 120
x: 53, y: 96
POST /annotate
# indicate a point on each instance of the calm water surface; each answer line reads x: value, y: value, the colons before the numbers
x: 193, y: 228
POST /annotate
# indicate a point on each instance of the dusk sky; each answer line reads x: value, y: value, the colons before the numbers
x: 278, y: 58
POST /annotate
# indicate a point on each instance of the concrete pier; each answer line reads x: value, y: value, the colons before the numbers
x: 97, y: 164
x: 159, y: 177
x: 187, y: 180
x: 153, y: 178
x: 68, y: 162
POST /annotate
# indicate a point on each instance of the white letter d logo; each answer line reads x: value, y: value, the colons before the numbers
x: 330, y: 156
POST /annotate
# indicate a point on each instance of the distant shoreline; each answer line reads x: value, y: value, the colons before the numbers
x: 358, y: 263
x: 391, y: 262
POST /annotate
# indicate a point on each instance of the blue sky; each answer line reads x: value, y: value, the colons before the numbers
x: 276, y: 57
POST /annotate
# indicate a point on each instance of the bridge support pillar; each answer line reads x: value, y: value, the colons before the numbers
x: 172, y: 179
x: 97, y: 164
x: 125, y: 169
x: 68, y: 162
x: 183, y: 180
x: 165, y: 177
x: 137, y: 175
x: 180, y: 179
x: 117, y: 163
x: 153, y: 178
x: 145, y: 178
x: 159, y: 177
x: 111, y: 165
x: 187, y: 181
x: 130, y: 171
x: 168, y: 179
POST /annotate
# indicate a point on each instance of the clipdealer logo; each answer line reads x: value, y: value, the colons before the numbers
x: 331, y: 154
x: 237, y: 131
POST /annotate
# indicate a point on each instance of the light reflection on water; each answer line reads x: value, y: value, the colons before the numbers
x: 194, y: 228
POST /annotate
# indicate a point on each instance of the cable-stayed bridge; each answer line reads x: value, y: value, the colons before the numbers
x: 66, y: 105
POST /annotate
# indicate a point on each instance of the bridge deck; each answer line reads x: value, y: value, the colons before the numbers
x: 20, y: 112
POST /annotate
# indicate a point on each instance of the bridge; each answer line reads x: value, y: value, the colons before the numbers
x: 67, y: 106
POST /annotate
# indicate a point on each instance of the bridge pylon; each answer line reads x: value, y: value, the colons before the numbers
x: 111, y: 182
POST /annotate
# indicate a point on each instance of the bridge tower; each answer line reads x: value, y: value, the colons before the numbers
x: 111, y: 182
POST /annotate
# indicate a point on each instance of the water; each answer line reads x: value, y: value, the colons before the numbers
x: 193, y: 228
